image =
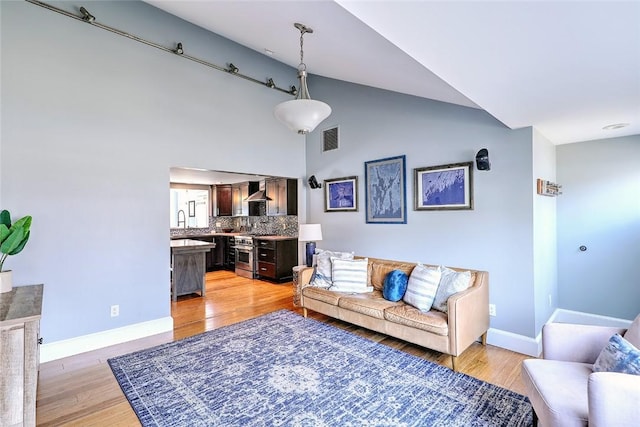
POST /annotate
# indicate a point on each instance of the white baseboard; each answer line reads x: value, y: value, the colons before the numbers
x: 64, y: 348
x: 560, y: 315
x: 533, y: 346
x: 515, y: 342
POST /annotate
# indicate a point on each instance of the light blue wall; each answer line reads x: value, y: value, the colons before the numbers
x: 91, y: 124
x: 496, y: 236
x: 545, y: 255
x: 600, y: 208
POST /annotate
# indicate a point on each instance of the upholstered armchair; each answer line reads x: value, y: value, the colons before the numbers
x: 565, y: 391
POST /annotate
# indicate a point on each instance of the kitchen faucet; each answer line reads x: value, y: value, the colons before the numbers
x: 184, y: 219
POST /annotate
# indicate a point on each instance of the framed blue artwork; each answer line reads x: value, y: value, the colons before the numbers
x: 341, y: 194
x: 386, y: 191
x: 444, y: 187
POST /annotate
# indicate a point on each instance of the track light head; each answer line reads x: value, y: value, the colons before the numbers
x: 293, y: 91
x: 178, y: 50
x: 232, y: 68
x: 270, y: 83
x: 86, y: 15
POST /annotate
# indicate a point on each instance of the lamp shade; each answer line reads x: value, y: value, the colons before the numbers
x: 310, y: 233
x: 302, y: 115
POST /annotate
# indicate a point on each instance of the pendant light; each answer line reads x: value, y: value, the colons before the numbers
x: 302, y: 114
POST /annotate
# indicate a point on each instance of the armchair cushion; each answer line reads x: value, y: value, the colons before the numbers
x: 557, y: 391
x: 618, y: 356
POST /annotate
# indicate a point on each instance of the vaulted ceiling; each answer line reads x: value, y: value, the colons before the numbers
x: 568, y: 68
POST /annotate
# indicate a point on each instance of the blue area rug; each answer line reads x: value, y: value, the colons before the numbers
x: 284, y: 370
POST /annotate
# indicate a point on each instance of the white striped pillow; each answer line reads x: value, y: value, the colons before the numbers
x: 422, y: 287
x: 350, y: 275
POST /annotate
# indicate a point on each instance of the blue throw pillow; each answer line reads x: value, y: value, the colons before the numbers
x: 618, y: 356
x: 395, y: 285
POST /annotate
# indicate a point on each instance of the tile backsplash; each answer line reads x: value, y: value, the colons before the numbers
x: 286, y: 225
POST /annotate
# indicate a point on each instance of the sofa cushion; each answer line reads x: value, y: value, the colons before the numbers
x: 349, y: 275
x: 618, y: 356
x: 395, y: 285
x: 422, y: 287
x: 432, y: 321
x: 380, y: 268
x: 451, y: 283
x: 633, y: 333
x: 372, y: 304
x: 322, y: 275
x: 322, y: 294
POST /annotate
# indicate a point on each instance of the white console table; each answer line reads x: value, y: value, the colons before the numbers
x: 20, y: 312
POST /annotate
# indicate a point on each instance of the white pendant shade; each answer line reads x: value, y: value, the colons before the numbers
x: 302, y: 115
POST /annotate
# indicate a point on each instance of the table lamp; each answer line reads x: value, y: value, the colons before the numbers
x: 310, y: 233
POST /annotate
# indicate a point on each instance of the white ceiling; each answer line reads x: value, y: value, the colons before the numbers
x: 568, y: 68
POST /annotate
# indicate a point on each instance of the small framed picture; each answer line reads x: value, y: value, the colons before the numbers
x: 446, y: 187
x: 386, y: 189
x: 341, y: 194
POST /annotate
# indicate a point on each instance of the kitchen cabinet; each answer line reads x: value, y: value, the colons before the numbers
x: 239, y: 193
x: 20, y: 312
x: 284, y: 196
x: 230, y: 253
x: 215, y: 258
x: 276, y: 258
x: 224, y: 203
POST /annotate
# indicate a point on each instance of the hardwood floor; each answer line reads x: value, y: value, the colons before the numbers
x: 81, y: 390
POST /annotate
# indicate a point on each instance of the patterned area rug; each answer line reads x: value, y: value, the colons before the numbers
x: 284, y: 370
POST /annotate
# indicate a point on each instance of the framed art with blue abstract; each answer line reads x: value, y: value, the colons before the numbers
x: 341, y: 194
x: 447, y: 187
x: 386, y: 191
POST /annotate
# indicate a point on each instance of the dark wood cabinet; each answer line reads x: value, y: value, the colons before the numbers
x: 216, y: 257
x: 284, y: 196
x: 230, y: 253
x: 224, y: 201
x: 276, y: 258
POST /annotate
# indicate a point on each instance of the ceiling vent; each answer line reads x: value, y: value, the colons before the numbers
x: 330, y: 139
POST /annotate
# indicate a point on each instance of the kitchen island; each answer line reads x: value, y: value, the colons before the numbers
x: 188, y: 266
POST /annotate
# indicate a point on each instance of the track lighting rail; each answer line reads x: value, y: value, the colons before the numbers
x: 178, y: 50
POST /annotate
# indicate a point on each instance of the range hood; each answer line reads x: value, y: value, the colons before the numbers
x: 260, y: 195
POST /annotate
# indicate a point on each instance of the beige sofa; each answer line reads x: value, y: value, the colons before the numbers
x: 452, y: 333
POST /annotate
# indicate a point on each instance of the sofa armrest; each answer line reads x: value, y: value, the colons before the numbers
x: 469, y: 314
x: 575, y: 343
x: 613, y: 399
x: 304, y: 279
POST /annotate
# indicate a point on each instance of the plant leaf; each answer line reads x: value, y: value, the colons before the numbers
x: 4, y: 232
x: 5, y: 218
x: 21, y: 245
x: 12, y: 241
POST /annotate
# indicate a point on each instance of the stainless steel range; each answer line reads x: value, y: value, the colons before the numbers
x: 245, y: 264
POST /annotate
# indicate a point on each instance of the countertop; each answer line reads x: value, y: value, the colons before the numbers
x: 191, y: 244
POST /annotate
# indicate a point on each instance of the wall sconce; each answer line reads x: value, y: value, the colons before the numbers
x: 482, y: 160
x: 313, y: 182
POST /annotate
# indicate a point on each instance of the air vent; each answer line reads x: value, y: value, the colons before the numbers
x: 330, y: 139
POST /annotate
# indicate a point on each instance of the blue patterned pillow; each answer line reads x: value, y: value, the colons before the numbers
x: 395, y: 285
x: 618, y: 356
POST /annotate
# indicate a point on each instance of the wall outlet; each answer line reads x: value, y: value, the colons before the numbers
x: 492, y: 309
x: 115, y: 310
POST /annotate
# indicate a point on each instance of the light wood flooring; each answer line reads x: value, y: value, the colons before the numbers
x: 82, y: 391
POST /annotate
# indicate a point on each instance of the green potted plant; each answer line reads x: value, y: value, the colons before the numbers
x: 13, y: 238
